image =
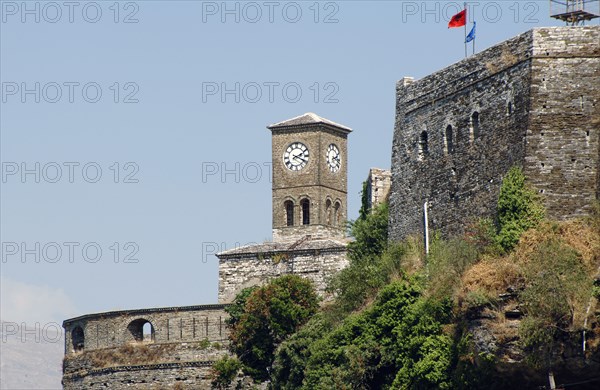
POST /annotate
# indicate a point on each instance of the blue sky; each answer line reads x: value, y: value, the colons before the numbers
x: 149, y: 139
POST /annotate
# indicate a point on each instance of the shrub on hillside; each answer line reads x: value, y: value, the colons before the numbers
x: 519, y: 209
x: 270, y: 314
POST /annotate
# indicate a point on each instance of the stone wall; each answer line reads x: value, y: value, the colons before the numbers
x: 172, y: 324
x: 379, y: 184
x: 459, y: 130
x: 188, y: 375
x: 317, y: 260
x: 563, y: 137
x: 111, y: 348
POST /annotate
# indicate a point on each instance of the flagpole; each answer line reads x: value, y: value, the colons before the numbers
x: 467, y: 18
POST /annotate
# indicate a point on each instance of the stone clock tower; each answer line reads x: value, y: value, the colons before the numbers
x: 310, y: 177
x: 310, y: 167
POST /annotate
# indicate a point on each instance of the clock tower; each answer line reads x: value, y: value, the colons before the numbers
x: 310, y: 167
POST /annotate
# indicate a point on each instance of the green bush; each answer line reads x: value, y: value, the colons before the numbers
x: 396, y: 343
x: 292, y: 356
x: 224, y: 371
x: 204, y: 343
x: 269, y: 315
x: 365, y: 275
x: 519, y: 209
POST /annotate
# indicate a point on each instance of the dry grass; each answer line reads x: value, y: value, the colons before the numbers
x: 129, y: 354
x: 495, y: 275
x: 578, y: 235
x: 414, y: 259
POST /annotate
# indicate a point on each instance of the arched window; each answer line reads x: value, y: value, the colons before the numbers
x: 148, y: 332
x: 305, y: 204
x: 328, y: 212
x: 141, y: 330
x: 509, y: 108
x: 475, y: 124
x: 336, y: 213
x: 78, y: 339
x: 449, y: 140
x: 289, y: 212
x: 423, y: 145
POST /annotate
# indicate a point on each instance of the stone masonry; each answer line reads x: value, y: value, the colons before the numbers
x: 181, y: 344
x: 314, y: 250
x: 314, y: 182
x: 532, y: 101
x: 315, y: 259
x: 379, y: 184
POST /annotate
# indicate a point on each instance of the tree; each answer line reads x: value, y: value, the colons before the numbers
x: 236, y: 308
x: 367, y: 271
x: 364, y: 202
x: 270, y: 314
x: 370, y: 233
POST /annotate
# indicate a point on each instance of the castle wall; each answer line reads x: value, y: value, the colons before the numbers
x: 237, y: 272
x: 174, y: 324
x: 195, y: 375
x: 563, y: 149
x: 494, y: 103
x: 110, y: 348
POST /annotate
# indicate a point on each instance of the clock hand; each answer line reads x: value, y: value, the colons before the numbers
x: 298, y: 157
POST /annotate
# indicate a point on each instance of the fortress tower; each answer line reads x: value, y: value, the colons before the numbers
x: 532, y: 101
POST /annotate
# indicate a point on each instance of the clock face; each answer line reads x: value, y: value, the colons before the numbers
x: 333, y: 158
x: 295, y: 156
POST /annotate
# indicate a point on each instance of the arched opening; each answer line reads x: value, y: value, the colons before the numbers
x: 336, y: 213
x: 148, y: 332
x: 141, y: 330
x: 328, y: 212
x: 305, y: 204
x: 509, y: 108
x: 78, y: 339
x: 449, y: 140
x: 423, y: 145
x: 475, y: 124
x: 289, y: 213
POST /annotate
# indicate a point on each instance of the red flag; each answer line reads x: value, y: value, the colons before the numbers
x: 458, y: 20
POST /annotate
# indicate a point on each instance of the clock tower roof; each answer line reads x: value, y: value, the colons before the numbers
x: 308, y: 119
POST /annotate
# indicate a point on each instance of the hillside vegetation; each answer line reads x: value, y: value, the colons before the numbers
x: 510, y: 302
